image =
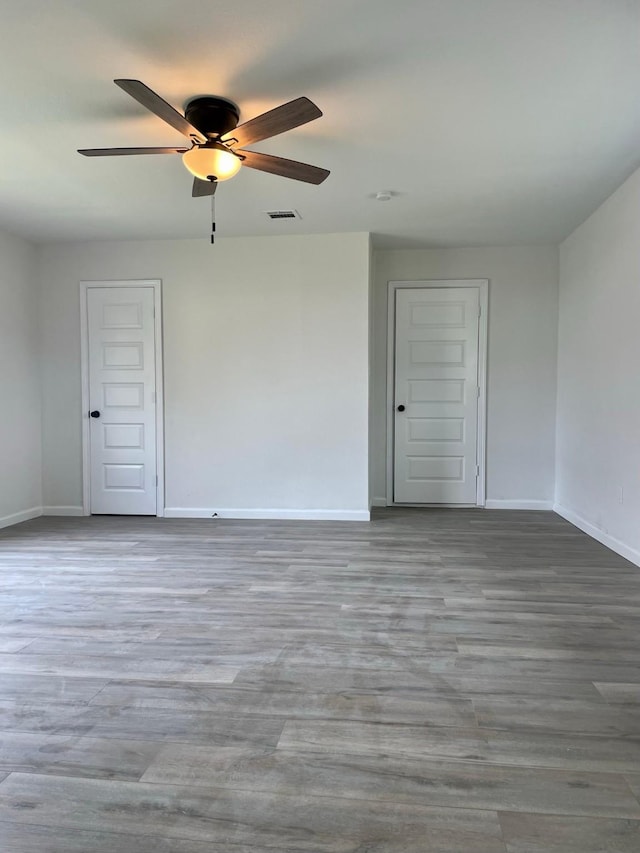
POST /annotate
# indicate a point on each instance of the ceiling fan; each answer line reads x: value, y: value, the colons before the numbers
x: 217, y: 140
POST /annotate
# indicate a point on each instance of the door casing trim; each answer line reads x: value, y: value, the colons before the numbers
x: 482, y: 286
x: 85, y: 286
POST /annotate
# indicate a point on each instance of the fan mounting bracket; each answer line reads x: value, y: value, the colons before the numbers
x: 213, y: 116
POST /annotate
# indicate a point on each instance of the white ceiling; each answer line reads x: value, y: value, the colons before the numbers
x: 491, y: 121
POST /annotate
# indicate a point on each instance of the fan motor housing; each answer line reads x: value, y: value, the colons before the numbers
x: 212, y: 116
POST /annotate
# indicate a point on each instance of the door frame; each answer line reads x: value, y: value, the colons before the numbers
x: 482, y: 286
x: 85, y: 286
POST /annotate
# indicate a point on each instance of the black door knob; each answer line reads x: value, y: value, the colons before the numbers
x: 401, y: 408
x: 95, y: 413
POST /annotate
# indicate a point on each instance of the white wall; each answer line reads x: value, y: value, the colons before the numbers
x: 20, y: 414
x: 598, y: 432
x: 523, y: 290
x: 266, y: 369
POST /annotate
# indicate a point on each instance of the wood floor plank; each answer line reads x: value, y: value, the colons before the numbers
x: 537, y: 833
x: 399, y: 780
x: 27, y: 688
x: 65, y: 755
x: 619, y: 694
x: 519, y: 651
x: 205, y: 653
x: 21, y: 838
x: 343, y: 705
x: 268, y: 820
x: 184, y: 726
x: 84, y: 666
x: 407, y: 683
x: 490, y: 746
x: 573, y: 716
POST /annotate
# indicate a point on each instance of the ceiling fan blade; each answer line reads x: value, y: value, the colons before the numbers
x: 201, y: 188
x: 285, y: 168
x: 123, y: 152
x: 276, y: 121
x: 148, y: 98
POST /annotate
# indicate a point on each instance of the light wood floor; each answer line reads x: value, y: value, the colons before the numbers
x: 453, y: 681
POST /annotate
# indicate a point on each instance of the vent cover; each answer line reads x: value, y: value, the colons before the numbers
x: 283, y: 214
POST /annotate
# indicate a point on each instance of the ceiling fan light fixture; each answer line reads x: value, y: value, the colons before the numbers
x: 212, y: 160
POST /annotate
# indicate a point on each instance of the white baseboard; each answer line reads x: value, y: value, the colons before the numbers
x: 266, y: 514
x: 616, y: 545
x: 489, y: 504
x: 500, y: 504
x: 18, y: 517
x: 62, y: 510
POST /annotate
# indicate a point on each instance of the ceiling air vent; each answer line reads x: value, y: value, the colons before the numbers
x: 283, y: 214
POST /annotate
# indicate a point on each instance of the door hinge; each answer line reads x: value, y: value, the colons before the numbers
x: 478, y: 391
x: 477, y: 470
x: 156, y: 479
x: 479, y: 310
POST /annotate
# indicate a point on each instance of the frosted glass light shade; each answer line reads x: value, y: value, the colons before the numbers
x: 212, y: 160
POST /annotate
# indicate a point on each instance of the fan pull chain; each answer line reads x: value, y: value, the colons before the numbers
x: 213, y: 219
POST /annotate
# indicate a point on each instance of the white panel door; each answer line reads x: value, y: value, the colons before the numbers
x: 436, y: 395
x: 121, y: 339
